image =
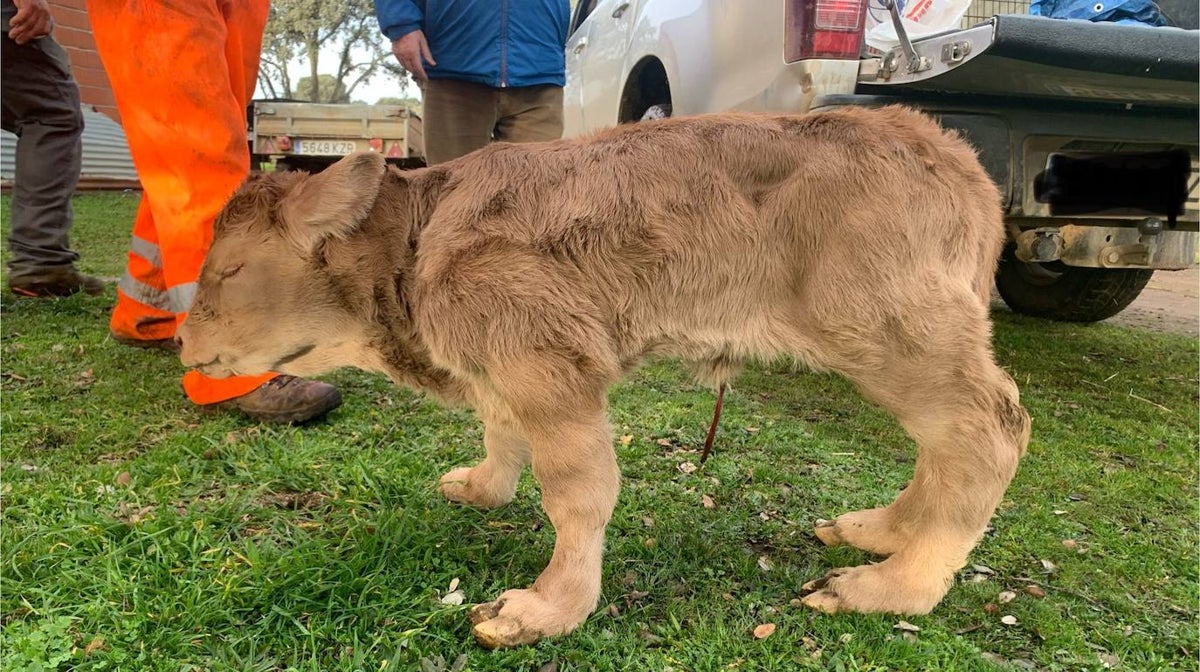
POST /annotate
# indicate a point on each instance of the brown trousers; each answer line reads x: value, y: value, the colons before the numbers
x: 460, y: 117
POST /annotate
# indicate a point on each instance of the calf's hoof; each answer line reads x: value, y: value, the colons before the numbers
x: 520, y: 617
x: 870, y: 530
x: 465, y: 487
x: 876, y: 589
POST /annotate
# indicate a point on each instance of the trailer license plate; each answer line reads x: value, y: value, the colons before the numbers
x: 325, y: 147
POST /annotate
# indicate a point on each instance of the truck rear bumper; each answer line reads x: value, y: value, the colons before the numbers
x: 1015, y: 144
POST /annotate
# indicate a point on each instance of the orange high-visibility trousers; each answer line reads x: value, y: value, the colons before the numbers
x: 182, y: 74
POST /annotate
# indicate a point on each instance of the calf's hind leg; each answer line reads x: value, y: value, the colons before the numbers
x: 963, y: 412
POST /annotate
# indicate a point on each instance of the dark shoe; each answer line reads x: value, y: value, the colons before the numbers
x: 167, y: 344
x: 55, y: 282
x: 286, y: 399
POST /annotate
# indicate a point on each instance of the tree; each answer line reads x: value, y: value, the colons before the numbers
x: 413, y: 104
x: 329, y: 90
x: 307, y: 30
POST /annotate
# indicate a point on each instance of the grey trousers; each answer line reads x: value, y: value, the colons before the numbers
x: 461, y: 117
x: 39, y: 103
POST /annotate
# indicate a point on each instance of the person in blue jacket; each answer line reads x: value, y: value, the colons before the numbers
x: 488, y: 69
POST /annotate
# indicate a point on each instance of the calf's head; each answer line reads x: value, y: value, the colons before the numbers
x: 264, y: 299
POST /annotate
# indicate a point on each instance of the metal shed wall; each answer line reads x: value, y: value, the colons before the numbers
x: 106, y: 160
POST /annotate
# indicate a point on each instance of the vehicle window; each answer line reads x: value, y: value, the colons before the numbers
x: 582, y: 10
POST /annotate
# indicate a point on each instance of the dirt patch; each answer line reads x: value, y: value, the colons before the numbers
x: 1170, y: 303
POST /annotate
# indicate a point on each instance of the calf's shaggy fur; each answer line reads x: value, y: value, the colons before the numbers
x: 525, y: 279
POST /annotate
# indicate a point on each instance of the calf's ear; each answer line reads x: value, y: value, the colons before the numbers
x: 333, y: 202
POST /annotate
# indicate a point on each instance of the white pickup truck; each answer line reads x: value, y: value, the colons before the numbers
x: 1090, y: 130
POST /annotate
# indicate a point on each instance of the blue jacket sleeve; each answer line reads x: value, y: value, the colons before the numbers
x: 398, y: 18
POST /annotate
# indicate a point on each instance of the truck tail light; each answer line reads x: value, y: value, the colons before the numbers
x: 823, y: 29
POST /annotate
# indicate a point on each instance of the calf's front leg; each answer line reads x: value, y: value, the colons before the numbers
x: 574, y: 463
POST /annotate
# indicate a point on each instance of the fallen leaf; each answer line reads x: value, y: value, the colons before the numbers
x: 551, y: 666
x: 651, y: 543
x: 454, y: 598
x: 846, y: 638
x: 1050, y: 567
x: 1006, y: 597
x: 765, y: 564
x: 614, y: 610
x: 1059, y: 512
x: 982, y: 569
x: 124, y: 479
x: 906, y: 626
x: 687, y: 467
x: 708, y: 502
x: 86, y: 379
x: 1109, y: 660
x: 1009, y: 620
x: 994, y: 658
x: 752, y: 430
x: 649, y: 638
x: 795, y: 602
x: 910, y: 637
x: 666, y: 443
x: 453, y: 585
x: 990, y: 608
x: 635, y: 596
x: 626, y: 439
x: 1035, y: 591
x: 765, y: 630
x: 97, y: 644
x: 647, y: 521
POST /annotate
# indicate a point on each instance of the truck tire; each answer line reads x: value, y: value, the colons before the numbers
x: 1056, y: 291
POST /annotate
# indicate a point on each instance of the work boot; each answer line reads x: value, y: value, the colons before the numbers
x: 54, y: 282
x: 285, y: 399
x: 167, y: 344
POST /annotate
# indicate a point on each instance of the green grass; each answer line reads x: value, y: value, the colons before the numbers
x: 233, y: 546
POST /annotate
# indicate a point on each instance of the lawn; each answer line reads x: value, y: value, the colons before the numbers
x: 140, y: 533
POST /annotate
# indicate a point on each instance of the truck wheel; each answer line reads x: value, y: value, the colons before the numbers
x: 1056, y: 291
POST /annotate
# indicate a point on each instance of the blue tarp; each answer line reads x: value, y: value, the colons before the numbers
x: 1109, y: 11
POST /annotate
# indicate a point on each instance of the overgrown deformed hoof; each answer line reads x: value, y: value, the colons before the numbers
x: 869, y: 589
x: 827, y: 532
x: 503, y: 632
x: 520, y: 617
x: 817, y: 594
x: 871, y: 530
x: 465, y: 486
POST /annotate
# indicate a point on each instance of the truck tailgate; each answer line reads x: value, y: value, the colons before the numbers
x: 1038, y: 57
